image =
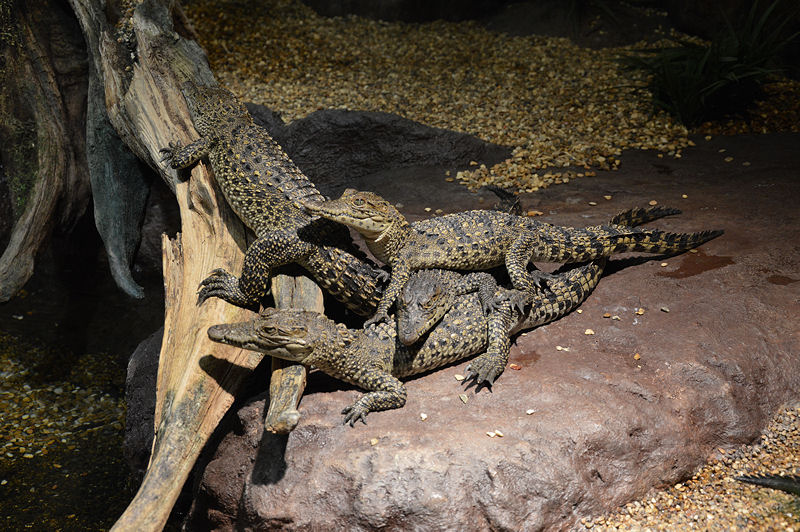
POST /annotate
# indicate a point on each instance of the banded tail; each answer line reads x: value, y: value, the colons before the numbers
x: 352, y: 281
x: 569, y: 291
x: 661, y: 242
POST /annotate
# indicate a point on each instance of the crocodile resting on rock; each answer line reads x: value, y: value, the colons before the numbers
x: 264, y: 187
x: 430, y: 294
x: 482, y: 239
x: 374, y: 358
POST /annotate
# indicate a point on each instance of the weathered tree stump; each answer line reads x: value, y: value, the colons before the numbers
x: 139, y: 54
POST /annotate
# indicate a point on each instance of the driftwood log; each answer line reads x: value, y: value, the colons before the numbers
x: 138, y: 55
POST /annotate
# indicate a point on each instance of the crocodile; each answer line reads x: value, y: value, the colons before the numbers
x: 264, y: 188
x: 481, y: 239
x: 430, y: 294
x: 374, y: 359
x: 787, y: 483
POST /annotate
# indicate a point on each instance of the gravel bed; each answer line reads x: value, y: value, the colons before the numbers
x: 714, y: 500
x: 565, y: 109
x: 560, y: 105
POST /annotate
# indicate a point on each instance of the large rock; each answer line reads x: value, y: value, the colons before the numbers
x: 607, y: 426
x: 335, y: 147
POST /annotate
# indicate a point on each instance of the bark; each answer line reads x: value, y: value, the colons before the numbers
x: 42, y: 112
x: 142, y: 56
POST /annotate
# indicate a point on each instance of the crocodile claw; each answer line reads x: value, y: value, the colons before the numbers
x: 355, y: 412
x: 380, y: 317
x: 541, y: 280
x: 225, y: 286
x: 484, y: 369
x: 168, y: 153
x: 382, y: 275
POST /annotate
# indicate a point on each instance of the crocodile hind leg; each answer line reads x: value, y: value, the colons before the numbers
x: 268, y: 252
x: 517, y: 258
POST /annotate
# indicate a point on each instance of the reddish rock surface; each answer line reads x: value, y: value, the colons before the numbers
x: 607, y: 425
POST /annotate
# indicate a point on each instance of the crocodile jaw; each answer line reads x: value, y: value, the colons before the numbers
x: 245, y: 335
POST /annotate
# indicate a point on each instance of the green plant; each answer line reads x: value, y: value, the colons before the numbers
x: 695, y: 82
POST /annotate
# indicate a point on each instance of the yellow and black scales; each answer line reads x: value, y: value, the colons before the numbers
x: 482, y: 239
x: 264, y: 187
x: 269, y: 193
x: 445, y: 313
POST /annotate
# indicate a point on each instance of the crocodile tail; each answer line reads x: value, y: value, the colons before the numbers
x: 642, y: 215
x: 787, y: 483
x: 566, y: 293
x: 351, y: 280
x: 660, y: 241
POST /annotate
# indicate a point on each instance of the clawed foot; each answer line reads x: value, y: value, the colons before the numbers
x: 541, y: 280
x: 382, y: 275
x: 355, y: 412
x: 485, y: 369
x: 168, y: 154
x: 225, y: 286
x: 380, y: 317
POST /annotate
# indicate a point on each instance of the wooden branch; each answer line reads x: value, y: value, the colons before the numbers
x: 197, y: 378
x: 58, y: 195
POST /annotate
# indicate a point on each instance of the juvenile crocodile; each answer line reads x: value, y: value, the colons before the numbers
x: 373, y: 358
x: 264, y: 187
x: 481, y: 239
x: 430, y: 294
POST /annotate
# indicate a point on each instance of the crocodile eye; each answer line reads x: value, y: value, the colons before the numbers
x: 267, y: 330
x: 358, y: 202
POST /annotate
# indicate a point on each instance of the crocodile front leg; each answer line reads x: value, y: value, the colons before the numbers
x: 268, y: 252
x: 489, y: 365
x: 184, y: 157
x: 401, y: 271
x: 388, y: 393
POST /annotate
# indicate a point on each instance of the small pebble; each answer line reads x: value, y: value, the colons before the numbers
x: 592, y: 203
x: 535, y: 213
x: 664, y: 309
x: 664, y: 264
x: 579, y: 311
x: 607, y: 315
x: 458, y: 377
x: 607, y: 197
x: 463, y: 398
x: 640, y: 311
x: 516, y: 367
x: 530, y: 411
x: 652, y: 203
x: 491, y: 434
x: 423, y: 416
x: 684, y: 196
x: 637, y: 356
x: 615, y: 317
x: 588, y: 332
x: 728, y: 159
x: 498, y: 433
x: 427, y: 209
x: 373, y: 441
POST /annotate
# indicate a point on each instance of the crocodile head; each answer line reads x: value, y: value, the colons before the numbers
x: 213, y: 108
x: 423, y: 302
x: 366, y: 212
x: 290, y: 334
